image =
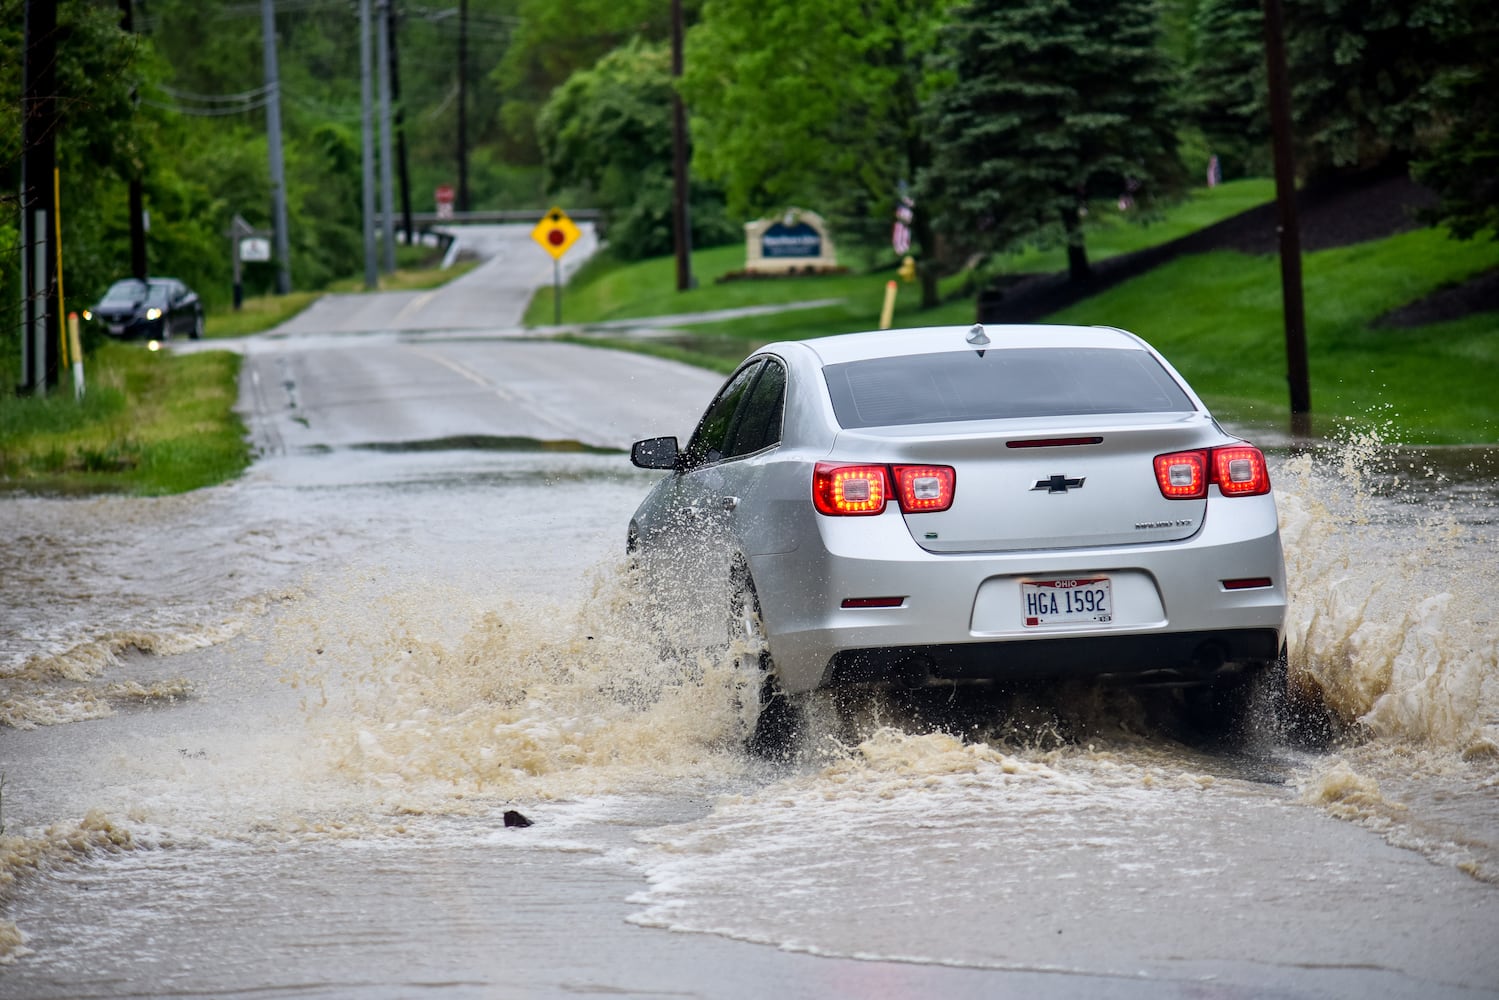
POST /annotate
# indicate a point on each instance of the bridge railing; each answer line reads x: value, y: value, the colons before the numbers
x: 426, y: 219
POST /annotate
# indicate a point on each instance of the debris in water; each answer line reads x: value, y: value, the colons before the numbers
x: 513, y: 818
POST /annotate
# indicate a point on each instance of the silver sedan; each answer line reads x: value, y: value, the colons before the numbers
x: 945, y: 505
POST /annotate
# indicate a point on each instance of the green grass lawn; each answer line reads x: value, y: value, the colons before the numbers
x: 1218, y: 318
x: 156, y: 422
x: 607, y: 289
x: 151, y: 423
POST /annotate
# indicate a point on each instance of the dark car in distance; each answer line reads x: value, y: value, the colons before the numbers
x: 155, y: 309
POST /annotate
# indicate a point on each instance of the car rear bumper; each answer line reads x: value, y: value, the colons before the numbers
x: 1162, y: 659
x: 960, y: 615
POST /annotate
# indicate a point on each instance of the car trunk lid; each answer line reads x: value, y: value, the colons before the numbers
x: 1059, y: 483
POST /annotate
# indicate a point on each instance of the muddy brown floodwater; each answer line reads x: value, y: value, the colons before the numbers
x: 258, y: 741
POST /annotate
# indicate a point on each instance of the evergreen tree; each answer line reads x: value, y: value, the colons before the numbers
x: 1463, y: 165
x: 1226, y: 93
x: 1052, y: 104
x: 1363, y: 74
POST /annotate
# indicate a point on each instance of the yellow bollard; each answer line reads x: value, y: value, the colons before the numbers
x: 73, y: 341
x: 887, y: 314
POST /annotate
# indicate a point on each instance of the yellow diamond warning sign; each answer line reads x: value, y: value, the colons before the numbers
x: 556, y: 233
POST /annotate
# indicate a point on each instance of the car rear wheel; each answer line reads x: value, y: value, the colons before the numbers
x: 779, y: 720
x: 196, y: 333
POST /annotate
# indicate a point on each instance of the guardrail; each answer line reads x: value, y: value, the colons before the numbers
x: 508, y: 215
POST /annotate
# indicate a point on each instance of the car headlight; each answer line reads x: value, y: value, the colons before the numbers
x: 153, y: 313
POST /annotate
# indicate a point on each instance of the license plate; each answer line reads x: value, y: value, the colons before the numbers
x: 1069, y: 601
x: 117, y: 328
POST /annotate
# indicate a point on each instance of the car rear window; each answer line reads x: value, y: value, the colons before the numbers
x: 1029, y: 382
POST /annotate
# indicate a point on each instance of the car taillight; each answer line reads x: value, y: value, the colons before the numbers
x: 1182, y: 475
x: 850, y: 489
x: 839, y: 489
x: 922, y: 488
x: 1239, y: 471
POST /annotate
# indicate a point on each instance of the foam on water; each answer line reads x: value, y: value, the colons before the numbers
x: 525, y: 700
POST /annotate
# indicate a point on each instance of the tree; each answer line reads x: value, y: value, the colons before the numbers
x: 1225, y: 88
x: 551, y: 41
x: 1363, y: 76
x: 1462, y: 167
x: 1053, y: 105
x: 606, y: 135
x: 99, y: 140
x: 815, y: 105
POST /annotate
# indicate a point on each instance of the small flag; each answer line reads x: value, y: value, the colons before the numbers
x: 900, y: 235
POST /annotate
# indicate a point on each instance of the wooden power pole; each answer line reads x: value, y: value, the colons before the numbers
x: 1290, y: 231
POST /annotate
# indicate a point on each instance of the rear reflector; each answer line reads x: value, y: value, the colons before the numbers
x: 1248, y: 583
x: 873, y: 602
x: 1054, y: 442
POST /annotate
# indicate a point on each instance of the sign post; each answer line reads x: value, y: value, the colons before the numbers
x: 556, y: 234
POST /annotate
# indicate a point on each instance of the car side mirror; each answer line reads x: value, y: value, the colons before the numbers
x: 655, y: 453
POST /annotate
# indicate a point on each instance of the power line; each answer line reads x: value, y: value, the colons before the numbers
x: 184, y: 95
x: 208, y: 112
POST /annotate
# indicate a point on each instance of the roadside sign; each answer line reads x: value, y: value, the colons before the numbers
x: 254, y: 249
x: 556, y: 233
x: 444, y: 198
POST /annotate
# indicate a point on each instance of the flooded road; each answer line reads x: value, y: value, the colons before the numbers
x: 261, y: 740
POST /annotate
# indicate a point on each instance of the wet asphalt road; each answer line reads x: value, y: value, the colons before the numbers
x: 292, y: 851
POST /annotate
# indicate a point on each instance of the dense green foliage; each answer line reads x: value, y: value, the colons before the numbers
x: 1362, y: 76
x: 1224, y: 84
x: 606, y: 135
x: 1046, y: 113
x: 1006, y: 119
x: 548, y: 42
x: 1463, y: 165
x: 815, y: 106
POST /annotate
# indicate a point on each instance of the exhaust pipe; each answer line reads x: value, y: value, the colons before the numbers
x: 913, y: 673
x: 1209, y: 658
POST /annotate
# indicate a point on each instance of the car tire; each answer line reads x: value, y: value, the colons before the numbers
x: 196, y: 333
x: 778, y: 723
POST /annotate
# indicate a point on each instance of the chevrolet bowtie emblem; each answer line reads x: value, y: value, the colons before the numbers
x: 1058, y: 484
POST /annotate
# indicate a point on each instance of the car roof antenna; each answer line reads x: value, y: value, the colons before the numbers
x: 978, y: 338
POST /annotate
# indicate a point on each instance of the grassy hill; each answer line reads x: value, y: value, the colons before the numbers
x: 1217, y: 316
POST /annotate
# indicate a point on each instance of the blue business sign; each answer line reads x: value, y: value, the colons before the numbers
x: 799, y: 240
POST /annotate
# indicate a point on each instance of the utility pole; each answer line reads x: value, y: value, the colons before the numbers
x: 40, y: 350
x: 387, y: 216
x: 403, y: 176
x: 463, y: 205
x: 273, y: 135
x: 136, y: 197
x: 681, y: 220
x: 367, y: 134
x: 1289, y: 229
